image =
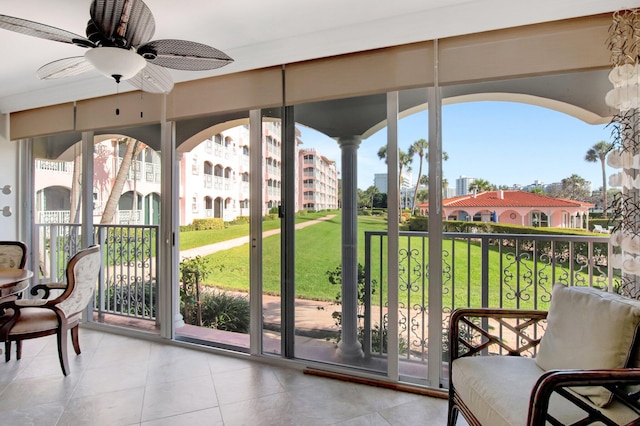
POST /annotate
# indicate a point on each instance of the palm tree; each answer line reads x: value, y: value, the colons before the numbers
x: 370, y: 194
x: 421, y: 147
x: 480, y: 185
x: 404, y: 160
x: 597, y: 152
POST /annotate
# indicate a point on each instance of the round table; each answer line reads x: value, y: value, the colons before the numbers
x: 10, y: 277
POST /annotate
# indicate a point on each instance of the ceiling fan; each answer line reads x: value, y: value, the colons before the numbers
x: 119, y: 46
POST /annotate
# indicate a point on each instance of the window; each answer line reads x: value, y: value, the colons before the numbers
x: 194, y: 165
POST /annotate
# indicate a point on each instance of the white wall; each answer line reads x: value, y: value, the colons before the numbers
x: 8, y: 176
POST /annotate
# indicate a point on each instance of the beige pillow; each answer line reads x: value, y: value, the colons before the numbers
x: 588, y: 329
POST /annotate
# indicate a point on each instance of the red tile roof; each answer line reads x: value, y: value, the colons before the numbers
x: 509, y: 198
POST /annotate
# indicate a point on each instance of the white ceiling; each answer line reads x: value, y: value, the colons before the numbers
x: 258, y: 34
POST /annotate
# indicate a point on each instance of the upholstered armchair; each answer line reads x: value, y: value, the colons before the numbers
x: 32, y: 318
x: 13, y: 255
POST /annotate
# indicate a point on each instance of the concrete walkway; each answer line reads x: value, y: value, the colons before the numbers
x: 237, y: 242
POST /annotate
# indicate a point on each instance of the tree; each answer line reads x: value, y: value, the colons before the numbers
x: 404, y: 160
x: 369, y: 195
x: 362, y: 198
x: 116, y: 190
x: 74, y: 211
x: 574, y: 187
x: 597, y: 152
x: 421, y: 148
x: 480, y: 185
x: 538, y: 190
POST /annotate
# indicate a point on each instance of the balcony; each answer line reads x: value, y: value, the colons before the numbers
x: 127, y: 285
x: 478, y: 270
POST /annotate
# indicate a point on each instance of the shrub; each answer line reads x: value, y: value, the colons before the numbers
x: 418, y: 223
x: 378, y: 332
x: 270, y: 217
x: 138, y: 299
x: 192, y: 272
x: 224, y: 311
x: 240, y: 220
x: 273, y: 210
x: 211, y: 223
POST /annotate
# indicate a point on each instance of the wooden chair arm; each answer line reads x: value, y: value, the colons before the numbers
x: 46, y: 288
x: 477, y: 336
x: 615, y: 380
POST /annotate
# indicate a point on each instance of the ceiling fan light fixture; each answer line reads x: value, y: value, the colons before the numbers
x: 121, y: 64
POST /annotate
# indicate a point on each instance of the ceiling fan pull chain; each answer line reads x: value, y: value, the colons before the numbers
x: 117, y: 98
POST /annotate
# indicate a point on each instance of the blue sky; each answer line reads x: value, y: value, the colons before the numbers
x: 504, y: 143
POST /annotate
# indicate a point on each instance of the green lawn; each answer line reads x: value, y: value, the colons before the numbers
x: 192, y: 239
x: 318, y: 250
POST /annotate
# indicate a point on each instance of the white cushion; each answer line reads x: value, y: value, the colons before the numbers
x: 497, y: 390
x: 588, y: 329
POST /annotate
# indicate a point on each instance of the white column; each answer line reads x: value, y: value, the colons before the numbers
x: 349, y: 346
x: 178, y: 320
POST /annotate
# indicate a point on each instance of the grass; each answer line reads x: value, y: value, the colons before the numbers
x: 318, y: 250
x: 192, y: 239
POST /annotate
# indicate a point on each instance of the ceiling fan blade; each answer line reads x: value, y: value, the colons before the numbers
x: 183, y: 55
x: 126, y: 23
x: 152, y: 79
x: 36, y: 29
x: 66, y: 67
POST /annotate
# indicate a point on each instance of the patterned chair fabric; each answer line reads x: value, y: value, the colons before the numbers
x: 34, y: 318
x: 13, y: 254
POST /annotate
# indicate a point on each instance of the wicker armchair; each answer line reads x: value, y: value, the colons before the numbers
x: 494, y: 378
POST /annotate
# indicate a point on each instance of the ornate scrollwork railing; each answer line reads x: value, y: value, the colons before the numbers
x: 127, y: 284
x: 478, y: 271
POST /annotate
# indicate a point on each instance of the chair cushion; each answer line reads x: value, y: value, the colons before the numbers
x: 588, y: 329
x: 33, y: 320
x: 497, y: 390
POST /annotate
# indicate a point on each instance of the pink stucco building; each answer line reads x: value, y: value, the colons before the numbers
x: 515, y: 207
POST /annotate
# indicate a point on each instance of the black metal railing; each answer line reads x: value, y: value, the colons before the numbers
x: 478, y: 270
x: 128, y: 283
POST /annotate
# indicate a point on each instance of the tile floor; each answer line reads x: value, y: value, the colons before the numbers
x: 126, y: 381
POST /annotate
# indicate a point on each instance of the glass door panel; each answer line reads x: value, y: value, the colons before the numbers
x: 126, y: 177
x: 337, y: 320
x: 413, y: 254
x: 214, y: 232
x: 57, y: 229
x: 271, y: 178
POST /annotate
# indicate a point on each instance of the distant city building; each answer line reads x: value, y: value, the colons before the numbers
x: 381, y: 181
x: 449, y: 192
x: 463, y: 183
